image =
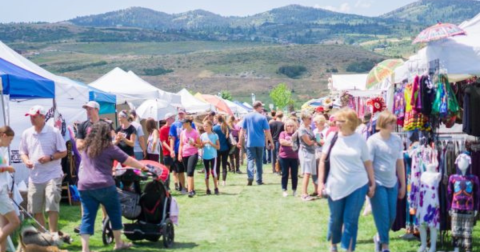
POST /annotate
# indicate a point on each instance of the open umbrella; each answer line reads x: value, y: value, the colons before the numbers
x: 156, y: 109
x: 218, y: 103
x: 381, y: 71
x: 438, y: 31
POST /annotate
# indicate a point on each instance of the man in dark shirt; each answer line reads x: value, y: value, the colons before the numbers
x: 276, y: 127
x: 85, y: 127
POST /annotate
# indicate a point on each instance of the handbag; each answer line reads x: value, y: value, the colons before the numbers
x: 327, y: 159
x: 277, y: 166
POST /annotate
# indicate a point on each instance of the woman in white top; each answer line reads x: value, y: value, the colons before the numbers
x: 386, y: 152
x: 350, y: 178
x: 8, y: 218
x: 153, y: 142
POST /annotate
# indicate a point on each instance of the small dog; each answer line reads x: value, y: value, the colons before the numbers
x: 32, y: 240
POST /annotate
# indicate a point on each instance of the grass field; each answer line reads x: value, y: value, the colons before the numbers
x: 242, y: 218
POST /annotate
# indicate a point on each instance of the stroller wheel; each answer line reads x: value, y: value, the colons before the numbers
x: 168, y: 234
x: 107, y: 232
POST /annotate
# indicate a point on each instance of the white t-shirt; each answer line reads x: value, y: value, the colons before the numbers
x: 347, y: 169
x: 384, y: 155
x: 5, y: 177
x: 139, y: 128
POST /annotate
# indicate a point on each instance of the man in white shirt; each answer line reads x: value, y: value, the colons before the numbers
x: 41, y: 148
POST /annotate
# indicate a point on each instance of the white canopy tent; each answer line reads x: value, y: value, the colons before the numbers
x: 340, y: 82
x: 193, y: 105
x: 173, y: 99
x: 459, y: 56
x: 155, y: 108
x: 236, y: 109
x: 126, y: 87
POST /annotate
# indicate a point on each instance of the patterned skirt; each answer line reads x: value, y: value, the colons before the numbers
x: 462, y: 228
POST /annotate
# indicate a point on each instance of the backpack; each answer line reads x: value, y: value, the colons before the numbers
x: 295, y: 141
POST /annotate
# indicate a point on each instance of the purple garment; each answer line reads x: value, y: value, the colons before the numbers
x: 286, y: 151
x: 463, y: 193
x: 399, y: 107
x: 96, y: 173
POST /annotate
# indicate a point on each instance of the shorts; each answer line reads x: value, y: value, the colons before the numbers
x: 6, y: 204
x: 308, y: 162
x: 168, y: 161
x: 45, y: 196
x: 178, y: 166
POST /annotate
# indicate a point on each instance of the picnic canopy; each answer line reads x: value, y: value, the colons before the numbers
x: 193, y: 105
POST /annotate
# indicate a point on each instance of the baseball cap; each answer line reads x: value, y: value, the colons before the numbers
x: 92, y: 104
x: 181, y: 110
x: 257, y: 104
x: 169, y: 115
x: 123, y: 113
x: 36, y: 110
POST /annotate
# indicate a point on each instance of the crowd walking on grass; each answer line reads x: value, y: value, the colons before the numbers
x: 325, y: 150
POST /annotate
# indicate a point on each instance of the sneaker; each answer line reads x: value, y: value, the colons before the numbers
x: 216, y: 191
x: 294, y: 193
x: 377, y: 244
x: 209, y: 192
x: 194, y: 192
x: 184, y: 191
x: 250, y: 181
x: 191, y: 194
x: 76, y: 229
x: 177, y: 188
x: 260, y: 183
x: 238, y: 171
x: 285, y: 193
x: 307, y: 198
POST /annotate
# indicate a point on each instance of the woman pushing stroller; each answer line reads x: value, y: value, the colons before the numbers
x: 97, y: 186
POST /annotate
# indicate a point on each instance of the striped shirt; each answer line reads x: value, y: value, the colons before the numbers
x: 36, y: 145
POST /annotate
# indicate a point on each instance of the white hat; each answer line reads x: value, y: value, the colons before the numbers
x: 169, y: 115
x: 36, y: 110
x: 92, y: 104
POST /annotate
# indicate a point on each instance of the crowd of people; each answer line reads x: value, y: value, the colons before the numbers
x: 330, y: 150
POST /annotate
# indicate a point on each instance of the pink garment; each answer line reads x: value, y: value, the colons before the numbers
x: 174, y: 211
x: 189, y: 138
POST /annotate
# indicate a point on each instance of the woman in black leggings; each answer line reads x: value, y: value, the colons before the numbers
x: 210, y: 146
x: 188, y: 152
x: 223, y: 132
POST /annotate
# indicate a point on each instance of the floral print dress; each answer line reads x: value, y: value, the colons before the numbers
x: 428, y: 211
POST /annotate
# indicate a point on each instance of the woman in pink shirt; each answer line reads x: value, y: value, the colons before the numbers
x: 188, y: 151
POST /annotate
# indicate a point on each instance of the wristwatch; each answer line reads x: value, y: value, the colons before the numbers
x: 51, y: 157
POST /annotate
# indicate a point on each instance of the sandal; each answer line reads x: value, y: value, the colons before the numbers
x: 307, y: 198
x: 124, y: 245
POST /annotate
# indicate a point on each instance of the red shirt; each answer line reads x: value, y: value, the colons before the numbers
x: 164, y: 130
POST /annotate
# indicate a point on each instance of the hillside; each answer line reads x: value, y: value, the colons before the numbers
x: 241, y: 68
x: 429, y: 12
x: 289, y: 24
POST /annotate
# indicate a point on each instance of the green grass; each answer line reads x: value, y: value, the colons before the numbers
x: 245, y: 218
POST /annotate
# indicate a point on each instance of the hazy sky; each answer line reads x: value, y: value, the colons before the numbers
x: 59, y: 10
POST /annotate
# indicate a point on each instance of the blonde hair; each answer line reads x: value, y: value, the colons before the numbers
x: 385, y: 118
x: 320, y: 119
x: 350, y: 117
x: 291, y: 122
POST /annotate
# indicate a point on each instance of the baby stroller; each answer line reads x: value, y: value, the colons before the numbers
x: 148, y: 209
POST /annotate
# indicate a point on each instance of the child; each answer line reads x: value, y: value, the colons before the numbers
x: 8, y: 218
x: 210, y: 146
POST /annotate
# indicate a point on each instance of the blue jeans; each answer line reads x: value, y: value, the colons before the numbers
x: 254, y: 157
x: 384, y: 209
x: 139, y: 156
x: 345, y: 213
x: 91, y: 200
x: 267, y: 156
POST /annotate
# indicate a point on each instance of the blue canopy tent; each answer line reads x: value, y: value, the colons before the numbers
x: 22, y: 84
x: 106, y: 100
x: 243, y: 106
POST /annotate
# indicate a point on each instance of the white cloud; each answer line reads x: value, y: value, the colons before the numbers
x: 364, y: 4
x: 344, y: 7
